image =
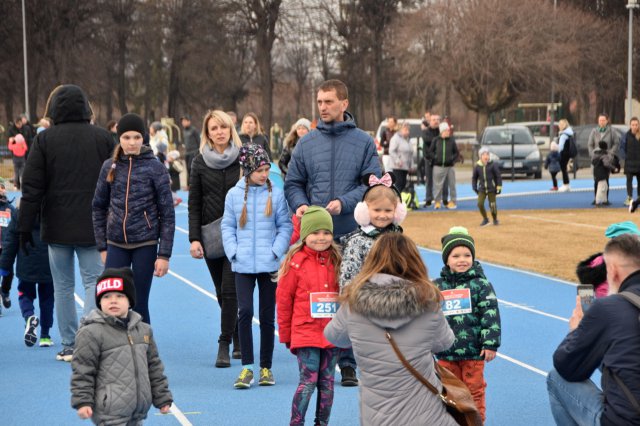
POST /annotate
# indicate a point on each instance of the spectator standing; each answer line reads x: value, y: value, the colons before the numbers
x: 158, y: 140
x: 112, y: 127
x: 552, y: 163
x: 43, y: 124
x: 565, y: 141
x: 385, y: 142
x: 191, y: 140
x: 18, y: 147
x: 604, y: 337
x: 444, y: 152
x: 327, y: 165
x: 429, y: 134
x: 59, y: 182
x: 298, y: 130
x: 215, y: 170
x: 604, y: 162
x: 630, y: 153
x: 401, y: 156
x: 603, y: 132
x: 253, y: 133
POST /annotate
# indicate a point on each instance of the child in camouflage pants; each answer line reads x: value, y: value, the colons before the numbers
x: 471, y: 308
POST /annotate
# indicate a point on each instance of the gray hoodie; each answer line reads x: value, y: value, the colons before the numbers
x: 389, y: 394
x: 117, y: 370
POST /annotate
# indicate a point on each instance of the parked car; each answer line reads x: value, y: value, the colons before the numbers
x: 581, y: 135
x: 526, y: 158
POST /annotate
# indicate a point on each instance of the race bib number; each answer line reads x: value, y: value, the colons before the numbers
x: 456, y: 301
x: 324, y: 305
x: 5, y: 218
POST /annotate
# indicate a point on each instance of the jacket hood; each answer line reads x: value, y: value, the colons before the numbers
x: 389, y: 301
x: 591, y: 274
x: 68, y: 103
x: 99, y: 317
x: 337, y: 127
x: 456, y: 277
x: 568, y: 131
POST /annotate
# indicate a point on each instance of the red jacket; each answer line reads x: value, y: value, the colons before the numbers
x: 310, y: 271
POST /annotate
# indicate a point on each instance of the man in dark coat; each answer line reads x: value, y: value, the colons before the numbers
x: 59, y: 181
x: 604, y: 337
x: 191, y: 140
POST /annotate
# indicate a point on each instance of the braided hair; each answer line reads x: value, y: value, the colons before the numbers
x: 268, y: 210
x: 116, y: 154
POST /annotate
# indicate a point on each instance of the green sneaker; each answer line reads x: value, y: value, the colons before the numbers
x: 46, y: 342
x: 266, y: 377
x: 244, y: 380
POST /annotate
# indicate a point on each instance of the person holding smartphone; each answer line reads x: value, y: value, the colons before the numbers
x: 605, y: 336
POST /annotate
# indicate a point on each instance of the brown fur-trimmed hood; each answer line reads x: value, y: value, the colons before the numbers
x: 389, y: 301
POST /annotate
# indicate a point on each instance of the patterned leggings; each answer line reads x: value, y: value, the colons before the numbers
x: 317, y: 369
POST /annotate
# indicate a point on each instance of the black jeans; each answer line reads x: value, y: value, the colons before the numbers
x: 564, y: 161
x: 245, y: 284
x: 630, y: 184
x: 225, y: 284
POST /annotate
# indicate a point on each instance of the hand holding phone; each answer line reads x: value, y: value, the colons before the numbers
x: 587, y: 295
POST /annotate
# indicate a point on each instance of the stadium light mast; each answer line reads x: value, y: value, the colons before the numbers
x: 633, y: 4
x: 24, y: 54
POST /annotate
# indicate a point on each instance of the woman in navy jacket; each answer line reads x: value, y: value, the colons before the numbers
x: 133, y: 209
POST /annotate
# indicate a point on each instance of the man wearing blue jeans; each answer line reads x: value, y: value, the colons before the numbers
x: 606, y: 336
x: 58, y: 184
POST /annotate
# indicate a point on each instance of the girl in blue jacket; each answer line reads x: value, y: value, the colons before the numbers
x: 133, y: 215
x: 256, y: 229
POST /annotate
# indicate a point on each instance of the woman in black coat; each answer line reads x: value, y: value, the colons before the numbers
x: 214, y: 171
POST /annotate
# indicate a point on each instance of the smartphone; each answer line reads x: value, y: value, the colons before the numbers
x: 587, y: 294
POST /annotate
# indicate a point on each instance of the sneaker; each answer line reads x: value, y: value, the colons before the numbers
x: 266, y: 377
x: 428, y: 203
x: 628, y: 201
x: 496, y: 222
x: 484, y: 222
x: 633, y: 206
x: 564, y: 188
x: 65, y: 355
x: 437, y: 206
x: 554, y: 188
x: 46, y: 342
x: 6, y: 300
x: 30, y: 336
x: 451, y: 205
x: 348, y: 377
x: 244, y: 380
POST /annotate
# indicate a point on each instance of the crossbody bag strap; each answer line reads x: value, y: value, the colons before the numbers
x: 410, y: 367
x: 631, y: 297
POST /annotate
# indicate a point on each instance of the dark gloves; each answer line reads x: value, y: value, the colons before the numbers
x: 26, y: 239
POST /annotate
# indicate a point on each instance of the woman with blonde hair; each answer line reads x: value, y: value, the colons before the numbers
x: 565, y: 139
x: 298, y: 130
x: 392, y: 293
x: 214, y: 171
x: 251, y: 132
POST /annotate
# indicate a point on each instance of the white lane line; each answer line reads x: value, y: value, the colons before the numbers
x: 182, y: 419
x: 535, y: 311
x: 522, y: 364
x: 184, y: 231
x: 542, y: 192
x: 563, y: 222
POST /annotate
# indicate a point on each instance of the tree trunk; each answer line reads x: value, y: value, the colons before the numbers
x: 482, y: 118
x: 122, y: 81
x: 174, y: 85
x: 376, y: 76
x: 263, y: 62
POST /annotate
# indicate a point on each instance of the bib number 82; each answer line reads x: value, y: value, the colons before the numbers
x: 452, y: 304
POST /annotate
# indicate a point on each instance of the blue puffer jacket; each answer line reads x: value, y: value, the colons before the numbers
x: 328, y: 164
x: 33, y: 268
x: 261, y: 244
x: 137, y: 206
x: 6, y: 206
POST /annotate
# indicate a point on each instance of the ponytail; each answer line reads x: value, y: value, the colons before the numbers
x: 116, y: 154
x: 268, y: 208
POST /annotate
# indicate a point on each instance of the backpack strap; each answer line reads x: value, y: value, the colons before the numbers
x: 633, y: 298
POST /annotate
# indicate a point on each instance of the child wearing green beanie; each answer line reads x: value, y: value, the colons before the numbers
x: 307, y: 296
x: 471, y: 308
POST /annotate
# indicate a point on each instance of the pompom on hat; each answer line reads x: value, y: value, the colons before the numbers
x: 457, y: 236
x: 252, y: 157
x: 315, y: 219
x: 131, y: 122
x: 116, y: 279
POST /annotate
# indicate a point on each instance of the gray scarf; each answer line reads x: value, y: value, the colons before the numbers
x: 214, y: 160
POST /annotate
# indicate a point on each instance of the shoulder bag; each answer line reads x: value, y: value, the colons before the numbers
x: 455, y: 395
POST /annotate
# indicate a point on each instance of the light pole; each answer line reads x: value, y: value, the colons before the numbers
x: 24, y: 52
x: 633, y: 4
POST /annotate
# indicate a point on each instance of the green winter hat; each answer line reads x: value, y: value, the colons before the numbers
x: 621, y: 228
x: 315, y: 219
x: 457, y: 236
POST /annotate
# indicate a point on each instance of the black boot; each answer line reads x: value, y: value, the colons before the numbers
x: 223, y: 360
x: 236, y: 354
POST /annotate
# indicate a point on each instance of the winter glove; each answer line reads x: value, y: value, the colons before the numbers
x: 26, y: 239
x: 498, y: 189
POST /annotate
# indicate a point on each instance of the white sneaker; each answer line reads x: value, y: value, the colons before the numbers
x: 564, y: 188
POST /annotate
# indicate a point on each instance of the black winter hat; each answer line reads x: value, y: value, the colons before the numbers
x: 130, y: 122
x: 116, y: 279
x: 457, y: 236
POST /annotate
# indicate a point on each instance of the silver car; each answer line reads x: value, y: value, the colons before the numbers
x: 526, y: 153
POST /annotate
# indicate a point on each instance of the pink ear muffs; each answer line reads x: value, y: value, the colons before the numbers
x: 361, y: 214
x: 401, y: 213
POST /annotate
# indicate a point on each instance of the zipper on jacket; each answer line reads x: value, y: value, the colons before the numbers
x: 444, y: 148
x: 147, y: 219
x: 486, y: 182
x: 255, y: 229
x: 126, y: 201
x: 135, y: 368
x: 333, y: 170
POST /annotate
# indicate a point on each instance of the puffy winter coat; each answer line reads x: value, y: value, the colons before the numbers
x: 486, y: 177
x: 116, y: 369
x: 310, y: 272
x: 62, y: 169
x: 444, y: 151
x: 137, y: 206
x: 479, y: 329
x: 207, y: 190
x: 327, y: 165
x: 603, y: 164
x: 608, y: 337
x: 389, y: 394
x: 552, y: 162
x: 609, y: 136
x: 264, y: 240
x: 630, y: 151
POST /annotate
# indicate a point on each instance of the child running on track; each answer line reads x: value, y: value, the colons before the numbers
x: 306, y: 296
x: 256, y: 229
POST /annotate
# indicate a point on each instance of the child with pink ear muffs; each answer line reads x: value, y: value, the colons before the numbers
x: 381, y: 210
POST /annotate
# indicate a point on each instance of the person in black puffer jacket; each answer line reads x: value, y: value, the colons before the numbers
x: 133, y: 209
x: 630, y: 152
x: 215, y: 170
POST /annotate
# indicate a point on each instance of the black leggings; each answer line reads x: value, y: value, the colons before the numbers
x: 225, y: 283
x: 630, y: 177
x: 564, y: 161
